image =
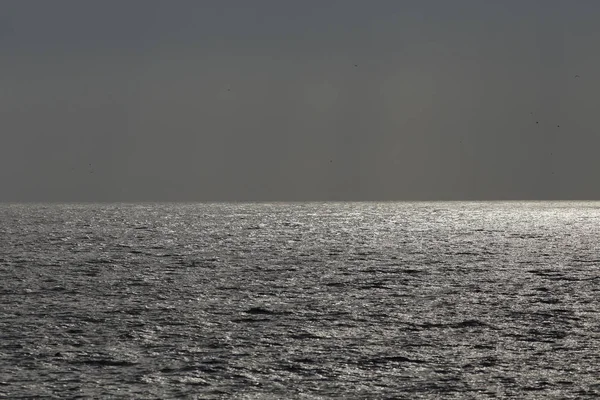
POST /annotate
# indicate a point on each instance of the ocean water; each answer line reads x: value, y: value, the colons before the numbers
x: 300, y: 301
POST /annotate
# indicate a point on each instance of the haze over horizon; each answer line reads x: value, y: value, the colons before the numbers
x: 291, y: 101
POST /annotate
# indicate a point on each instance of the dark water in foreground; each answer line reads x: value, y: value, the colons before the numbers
x: 390, y: 300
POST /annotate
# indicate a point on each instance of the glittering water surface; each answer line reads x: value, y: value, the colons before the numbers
x: 354, y: 300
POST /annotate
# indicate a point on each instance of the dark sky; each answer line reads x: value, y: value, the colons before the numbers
x: 299, y: 100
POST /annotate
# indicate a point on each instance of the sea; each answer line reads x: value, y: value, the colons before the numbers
x: 408, y: 300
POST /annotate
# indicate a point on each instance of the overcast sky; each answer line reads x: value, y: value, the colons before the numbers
x: 299, y: 100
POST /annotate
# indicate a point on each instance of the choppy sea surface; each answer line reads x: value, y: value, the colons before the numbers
x: 306, y: 301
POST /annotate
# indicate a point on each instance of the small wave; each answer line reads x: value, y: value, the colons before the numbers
x: 185, y: 368
x: 57, y: 289
x: 192, y: 380
x: 379, y: 271
x: 337, y: 284
x: 305, y: 360
x: 101, y: 260
x: 294, y: 368
x: 411, y: 271
x: 393, y: 360
x: 305, y: 335
x: 488, y: 361
x: 374, y: 285
x: 210, y: 263
x: 92, y: 319
x: 469, y: 323
x: 579, y: 260
x: 260, y: 311
x: 105, y: 362
x: 251, y: 320
x: 549, y: 301
x: 553, y: 334
x: 545, y: 273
